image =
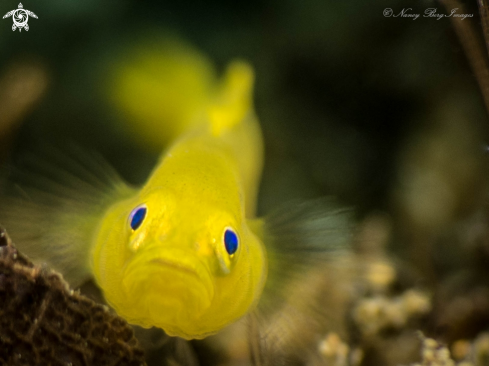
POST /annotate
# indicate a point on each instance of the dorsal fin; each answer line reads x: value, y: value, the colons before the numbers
x: 234, y: 100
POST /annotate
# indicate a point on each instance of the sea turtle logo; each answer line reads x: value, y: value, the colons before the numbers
x: 20, y: 17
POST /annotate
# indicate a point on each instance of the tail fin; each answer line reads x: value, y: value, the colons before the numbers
x: 52, y: 207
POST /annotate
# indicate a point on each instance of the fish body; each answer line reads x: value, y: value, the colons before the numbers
x: 174, y: 271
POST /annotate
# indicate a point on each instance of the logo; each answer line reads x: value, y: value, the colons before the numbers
x: 20, y: 17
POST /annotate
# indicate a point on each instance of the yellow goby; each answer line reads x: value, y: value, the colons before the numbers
x: 181, y: 254
x: 184, y: 252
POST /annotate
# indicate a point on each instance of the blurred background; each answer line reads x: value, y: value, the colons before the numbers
x: 382, y: 112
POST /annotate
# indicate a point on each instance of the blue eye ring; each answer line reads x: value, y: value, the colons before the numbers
x: 231, y: 241
x: 137, y: 216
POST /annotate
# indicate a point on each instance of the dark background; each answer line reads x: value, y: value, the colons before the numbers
x: 340, y: 88
x: 382, y: 112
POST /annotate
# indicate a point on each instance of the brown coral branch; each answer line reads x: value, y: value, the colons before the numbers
x: 43, y: 322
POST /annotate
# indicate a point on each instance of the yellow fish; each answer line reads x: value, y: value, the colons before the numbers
x: 184, y: 252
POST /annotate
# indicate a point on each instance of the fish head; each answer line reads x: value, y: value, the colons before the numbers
x: 187, y: 266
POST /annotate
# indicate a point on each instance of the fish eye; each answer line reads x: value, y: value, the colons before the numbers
x: 137, y: 216
x: 230, y: 241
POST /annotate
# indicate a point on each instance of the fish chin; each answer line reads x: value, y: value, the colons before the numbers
x: 166, y: 293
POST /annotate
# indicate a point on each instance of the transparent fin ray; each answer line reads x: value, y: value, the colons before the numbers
x: 52, y: 202
x: 311, y: 264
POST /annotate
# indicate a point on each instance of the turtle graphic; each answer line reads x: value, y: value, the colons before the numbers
x: 20, y: 17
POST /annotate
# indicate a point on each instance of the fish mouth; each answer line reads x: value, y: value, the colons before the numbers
x: 167, y: 288
x: 178, y: 266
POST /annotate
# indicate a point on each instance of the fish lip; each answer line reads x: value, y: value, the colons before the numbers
x: 188, y: 264
x: 168, y: 263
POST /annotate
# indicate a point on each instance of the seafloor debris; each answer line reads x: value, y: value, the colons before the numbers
x: 42, y: 322
x: 464, y: 353
x: 434, y: 354
x: 337, y: 353
x: 380, y: 312
x: 475, y: 353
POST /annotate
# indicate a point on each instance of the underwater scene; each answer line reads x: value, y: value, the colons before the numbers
x: 258, y: 183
